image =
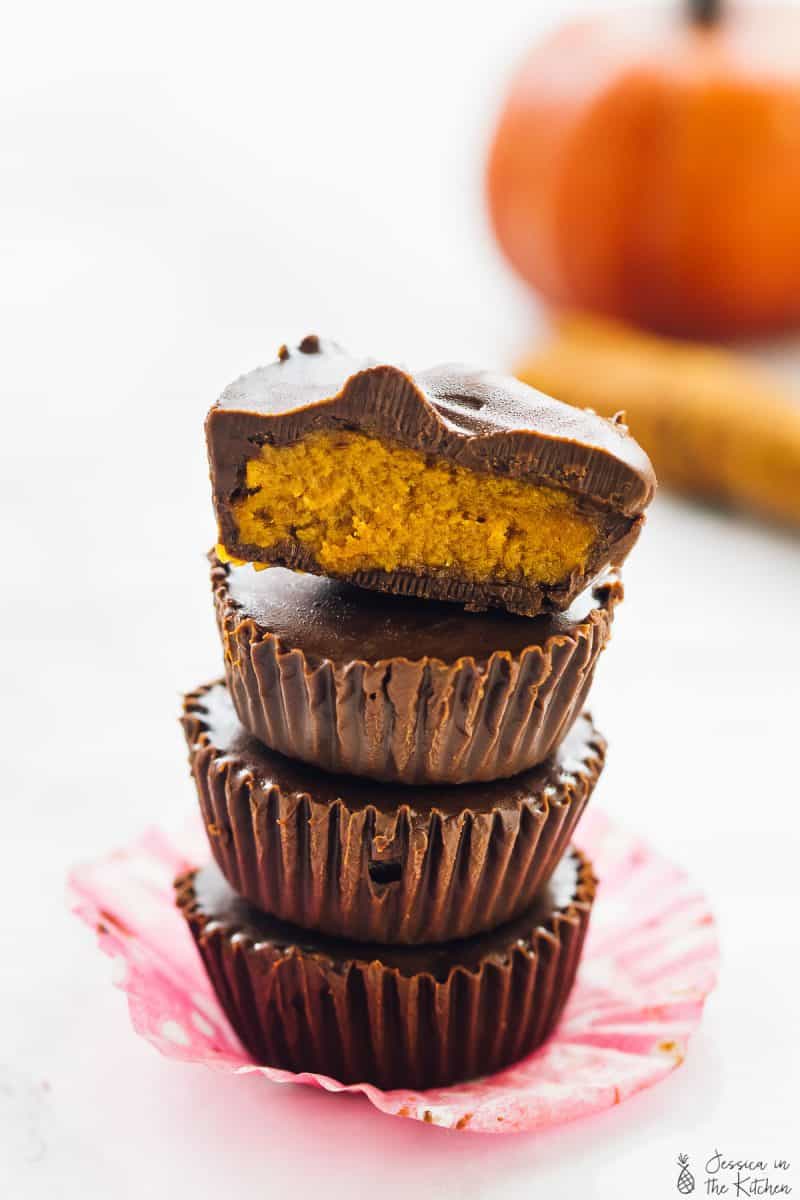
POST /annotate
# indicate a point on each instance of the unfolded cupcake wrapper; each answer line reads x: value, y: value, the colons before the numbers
x: 410, y: 874
x: 415, y: 722
x: 650, y: 960
x: 363, y: 1019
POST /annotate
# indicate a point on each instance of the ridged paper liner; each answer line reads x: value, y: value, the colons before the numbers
x: 320, y: 852
x: 424, y: 721
x: 307, y: 1009
x: 650, y: 960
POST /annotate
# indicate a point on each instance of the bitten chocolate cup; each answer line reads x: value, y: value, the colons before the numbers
x: 376, y: 862
x: 404, y: 690
x: 412, y: 1017
x: 451, y: 484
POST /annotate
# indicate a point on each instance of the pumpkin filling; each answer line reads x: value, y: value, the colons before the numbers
x: 359, y: 503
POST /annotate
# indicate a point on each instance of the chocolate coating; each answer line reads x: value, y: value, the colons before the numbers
x: 413, y: 1017
x: 379, y: 862
x: 398, y: 689
x: 487, y: 423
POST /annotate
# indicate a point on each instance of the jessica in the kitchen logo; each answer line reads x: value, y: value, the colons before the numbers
x: 735, y: 1177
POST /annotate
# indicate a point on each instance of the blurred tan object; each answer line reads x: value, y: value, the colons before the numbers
x: 646, y: 167
x: 714, y: 425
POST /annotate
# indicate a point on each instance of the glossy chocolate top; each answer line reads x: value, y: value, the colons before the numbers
x: 210, y: 718
x: 485, y: 421
x: 218, y: 903
x: 327, y: 618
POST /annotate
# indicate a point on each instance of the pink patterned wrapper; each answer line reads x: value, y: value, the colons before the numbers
x: 649, y: 963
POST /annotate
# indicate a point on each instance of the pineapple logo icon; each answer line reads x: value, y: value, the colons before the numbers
x: 685, y: 1184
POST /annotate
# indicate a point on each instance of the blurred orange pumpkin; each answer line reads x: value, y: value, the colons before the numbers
x: 647, y: 166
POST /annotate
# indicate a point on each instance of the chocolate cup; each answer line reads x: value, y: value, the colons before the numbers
x: 486, y: 423
x: 403, y: 690
x: 410, y: 1017
x: 376, y: 862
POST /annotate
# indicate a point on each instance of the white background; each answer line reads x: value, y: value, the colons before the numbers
x: 183, y: 188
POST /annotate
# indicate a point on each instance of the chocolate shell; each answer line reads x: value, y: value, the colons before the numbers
x: 471, y: 420
x: 381, y: 862
x: 399, y: 689
x: 398, y: 1017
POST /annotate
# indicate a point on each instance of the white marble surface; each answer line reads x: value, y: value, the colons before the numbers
x: 183, y: 189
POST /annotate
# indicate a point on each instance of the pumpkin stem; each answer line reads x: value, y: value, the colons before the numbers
x: 705, y: 12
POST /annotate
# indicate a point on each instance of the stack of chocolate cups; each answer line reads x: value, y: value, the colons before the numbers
x: 391, y: 773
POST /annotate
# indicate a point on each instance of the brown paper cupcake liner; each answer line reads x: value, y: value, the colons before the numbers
x: 380, y: 862
x: 411, y: 1017
x: 404, y: 714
